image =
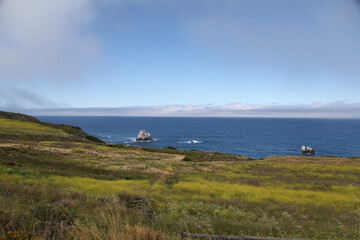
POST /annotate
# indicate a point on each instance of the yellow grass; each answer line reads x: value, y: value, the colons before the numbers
x: 9, y: 126
x: 199, y: 189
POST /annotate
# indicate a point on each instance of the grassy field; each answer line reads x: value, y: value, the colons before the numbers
x: 57, y: 184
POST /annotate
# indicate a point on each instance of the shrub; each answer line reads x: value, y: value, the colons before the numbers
x: 170, y: 147
x: 94, y: 139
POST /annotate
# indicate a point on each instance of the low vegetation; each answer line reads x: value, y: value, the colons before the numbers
x: 56, y: 183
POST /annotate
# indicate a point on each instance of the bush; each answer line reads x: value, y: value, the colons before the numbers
x: 170, y: 147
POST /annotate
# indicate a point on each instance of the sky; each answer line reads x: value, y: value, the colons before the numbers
x: 222, y: 58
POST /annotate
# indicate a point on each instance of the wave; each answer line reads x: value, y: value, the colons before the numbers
x: 191, y: 141
x: 104, y: 136
x: 133, y: 140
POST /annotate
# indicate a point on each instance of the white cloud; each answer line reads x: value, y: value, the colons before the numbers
x: 316, y: 110
x: 240, y: 106
x: 43, y: 38
x: 13, y: 98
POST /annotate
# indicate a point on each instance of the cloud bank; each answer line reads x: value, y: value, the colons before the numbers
x: 44, y: 39
x: 17, y: 98
x: 318, y: 110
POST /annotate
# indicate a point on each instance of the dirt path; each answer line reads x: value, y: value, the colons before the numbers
x: 43, y: 148
x: 100, y: 153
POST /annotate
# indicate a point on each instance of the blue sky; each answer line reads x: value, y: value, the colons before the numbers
x: 181, y: 58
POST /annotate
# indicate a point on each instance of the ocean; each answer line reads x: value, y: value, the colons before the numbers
x: 251, y: 137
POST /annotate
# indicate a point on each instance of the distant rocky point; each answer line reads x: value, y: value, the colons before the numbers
x: 307, y: 150
x: 18, y: 116
x: 144, y: 136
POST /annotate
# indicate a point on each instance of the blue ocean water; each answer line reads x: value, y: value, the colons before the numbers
x: 251, y: 137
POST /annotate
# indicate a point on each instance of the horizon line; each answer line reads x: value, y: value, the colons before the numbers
x: 337, y: 110
x: 249, y: 117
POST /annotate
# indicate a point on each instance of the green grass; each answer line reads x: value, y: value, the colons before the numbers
x: 18, y: 127
x: 77, y: 189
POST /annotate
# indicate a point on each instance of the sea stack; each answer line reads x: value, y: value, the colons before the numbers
x: 307, y: 150
x: 144, y: 136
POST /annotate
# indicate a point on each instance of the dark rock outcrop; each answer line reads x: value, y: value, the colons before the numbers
x: 144, y: 136
x: 307, y: 150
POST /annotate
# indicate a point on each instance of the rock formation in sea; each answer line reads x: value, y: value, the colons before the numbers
x: 307, y: 150
x: 144, y: 136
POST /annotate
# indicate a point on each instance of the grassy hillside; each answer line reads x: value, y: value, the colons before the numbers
x: 18, y: 116
x: 24, y: 127
x: 54, y: 183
